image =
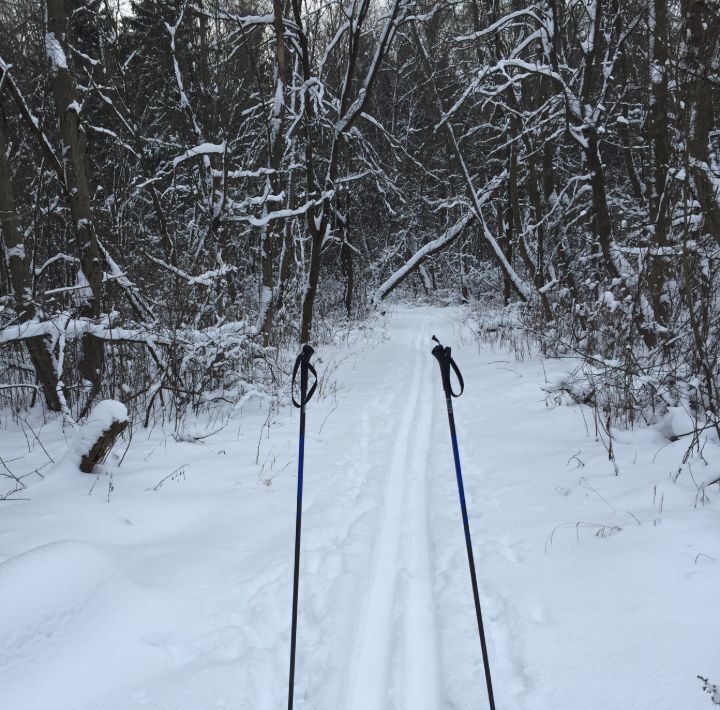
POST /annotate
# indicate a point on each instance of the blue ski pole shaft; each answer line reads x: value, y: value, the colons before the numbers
x: 303, y: 364
x: 296, y: 571
x: 470, y: 555
x: 446, y: 364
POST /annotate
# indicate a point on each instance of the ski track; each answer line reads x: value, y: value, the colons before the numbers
x: 421, y: 672
x: 399, y: 601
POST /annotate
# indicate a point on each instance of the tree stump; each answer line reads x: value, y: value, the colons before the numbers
x: 106, y: 422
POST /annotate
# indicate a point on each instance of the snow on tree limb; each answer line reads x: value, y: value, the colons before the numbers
x: 436, y: 245
x: 33, y: 123
x: 203, y: 149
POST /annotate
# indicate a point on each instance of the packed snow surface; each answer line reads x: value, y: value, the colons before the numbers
x: 165, y: 583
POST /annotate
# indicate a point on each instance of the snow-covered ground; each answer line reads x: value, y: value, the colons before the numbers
x: 172, y: 592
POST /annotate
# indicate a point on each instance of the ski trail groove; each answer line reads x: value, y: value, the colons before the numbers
x: 400, y: 549
x: 421, y: 686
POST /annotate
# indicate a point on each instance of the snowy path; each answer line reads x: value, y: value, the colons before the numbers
x: 598, y: 590
x: 400, y: 578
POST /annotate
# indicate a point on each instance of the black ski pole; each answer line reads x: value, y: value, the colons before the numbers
x: 446, y: 363
x: 303, y: 365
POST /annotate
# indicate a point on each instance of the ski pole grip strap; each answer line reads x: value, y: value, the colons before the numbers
x: 442, y: 355
x: 303, y: 365
x: 458, y: 375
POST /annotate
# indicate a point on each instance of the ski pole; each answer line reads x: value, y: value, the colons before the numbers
x: 446, y: 364
x: 302, y: 363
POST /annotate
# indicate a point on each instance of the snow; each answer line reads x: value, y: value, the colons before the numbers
x: 607, y: 298
x: 203, y: 149
x: 82, y: 292
x: 68, y: 615
x: 598, y: 590
x: 55, y: 52
x: 507, y: 19
x: 15, y: 252
x: 266, y: 295
x: 677, y: 422
x: 268, y: 217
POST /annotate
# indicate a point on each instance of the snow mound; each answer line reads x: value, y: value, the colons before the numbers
x: 677, y: 422
x: 101, y: 419
x: 68, y: 618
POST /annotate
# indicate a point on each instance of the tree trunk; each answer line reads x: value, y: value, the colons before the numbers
x: 601, y: 213
x: 601, y: 217
x: 73, y: 146
x: 660, y: 142
x: 272, y: 232
x: 505, y: 241
x: 17, y: 264
x: 701, y: 23
x: 346, y: 259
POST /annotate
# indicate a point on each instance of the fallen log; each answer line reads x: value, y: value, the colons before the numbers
x: 106, y: 422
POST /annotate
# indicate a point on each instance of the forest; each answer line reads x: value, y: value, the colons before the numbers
x: 526, y: 194
x: 189, y: 188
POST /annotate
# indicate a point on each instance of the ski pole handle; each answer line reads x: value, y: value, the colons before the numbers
x: 442, y: 355
x: 302, y: 363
